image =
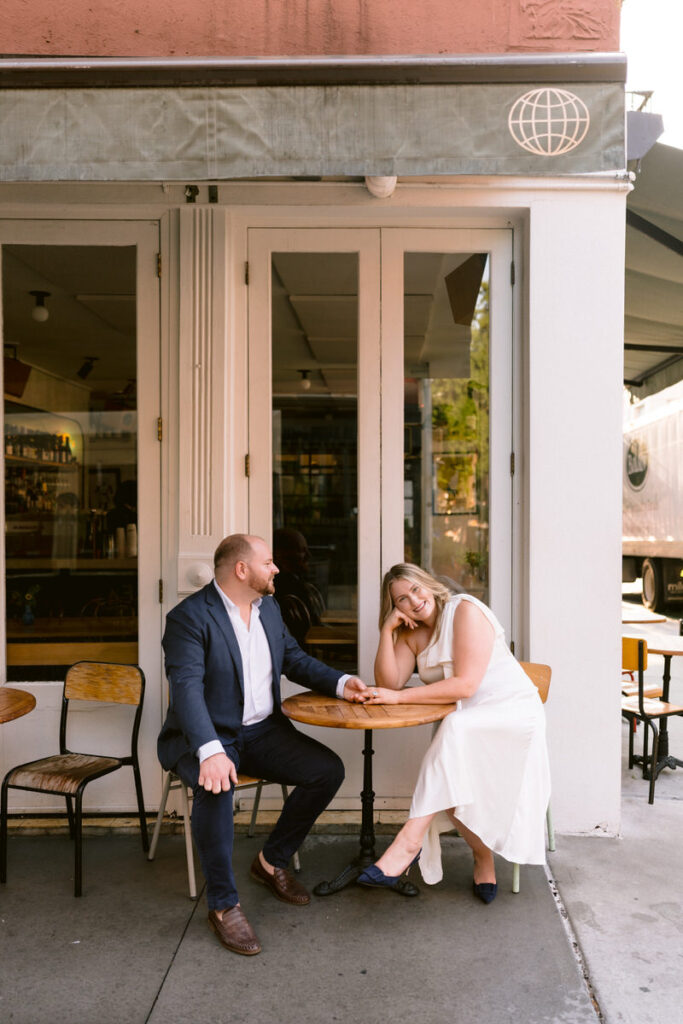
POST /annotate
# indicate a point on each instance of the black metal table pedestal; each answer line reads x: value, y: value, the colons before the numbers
x: 367, y: 853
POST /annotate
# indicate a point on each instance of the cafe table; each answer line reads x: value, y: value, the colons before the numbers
x: 669, y: 647
x: 333, y: 713
x: 631, y: 615
x: 15, y: 703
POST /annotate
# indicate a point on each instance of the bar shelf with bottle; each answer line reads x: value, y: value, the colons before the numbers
x: 70, y: 550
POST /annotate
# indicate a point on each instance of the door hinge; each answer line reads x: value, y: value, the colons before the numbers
x: 161, y: 591
x: 512, y: 272
x: 512, y: 646
x: 512, y: 463
x: 246, y: 273
x: 160, y: 429
x: 247, y: 465
x: 158, y: 264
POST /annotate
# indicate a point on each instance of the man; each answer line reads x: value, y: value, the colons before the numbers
x: 226, y: 647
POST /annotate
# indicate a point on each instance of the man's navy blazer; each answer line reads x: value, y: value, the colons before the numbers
x: 206, y: 681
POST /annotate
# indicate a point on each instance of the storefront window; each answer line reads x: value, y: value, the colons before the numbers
x: 446, y: 448
x: 70, y: 439
x: 315, y: 426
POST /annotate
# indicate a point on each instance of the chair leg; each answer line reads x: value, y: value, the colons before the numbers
x: 551, y: 829
x: 631, y: 731
x: 189, y: 855
x: 515, y: 878
x: 70, y: 815
x: 296, y: 863
x: 78, y: 844
x: 653, y: 763
x: 141, y: 806
x: 160, y: 817
x: 3, y: 833
x: 257, y: 799
x: 645, y: 747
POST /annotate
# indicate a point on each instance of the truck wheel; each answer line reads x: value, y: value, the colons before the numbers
x: 653, y: 585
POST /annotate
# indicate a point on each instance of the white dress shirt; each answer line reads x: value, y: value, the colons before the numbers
x: 257, y: 668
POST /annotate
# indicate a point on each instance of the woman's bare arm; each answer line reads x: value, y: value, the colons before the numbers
x: 473, y: 637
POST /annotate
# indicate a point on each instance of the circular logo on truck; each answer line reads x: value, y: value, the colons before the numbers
x: 549, y: 122
x: 636, y: 463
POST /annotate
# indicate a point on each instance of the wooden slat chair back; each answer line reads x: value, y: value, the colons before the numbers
x: 629, y: 667
x: 646, y: 708
x: 113, y: 684
x: 173, y: 782
x: 539, y: 675
x: 68, y: 773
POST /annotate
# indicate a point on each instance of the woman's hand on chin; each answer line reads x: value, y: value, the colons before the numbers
x: 399, y: 620
x: 381, y: 695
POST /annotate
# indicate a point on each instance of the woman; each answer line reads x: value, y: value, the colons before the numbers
x: 486, y: 771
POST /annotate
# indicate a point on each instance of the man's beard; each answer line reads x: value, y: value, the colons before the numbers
x: 261, y: 587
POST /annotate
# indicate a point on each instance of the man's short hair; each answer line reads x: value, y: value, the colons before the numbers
x: 232, y: 549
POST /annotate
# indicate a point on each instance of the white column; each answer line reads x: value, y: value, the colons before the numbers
x: 574, y: 370
x: 203, y: 414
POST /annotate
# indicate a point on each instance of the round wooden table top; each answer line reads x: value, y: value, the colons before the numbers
x: 316, y: 709
x: 664, y: 645
x: 15, y: 703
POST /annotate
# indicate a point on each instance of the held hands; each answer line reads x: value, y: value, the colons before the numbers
x: 381, y: 695
x: 216, y: 773
x: 355, y: 690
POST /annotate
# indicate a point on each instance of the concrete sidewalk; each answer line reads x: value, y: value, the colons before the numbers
x: 598, y: 937
x: 136, y: 949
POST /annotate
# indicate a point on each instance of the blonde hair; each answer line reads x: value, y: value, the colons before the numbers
x: 412, y: 574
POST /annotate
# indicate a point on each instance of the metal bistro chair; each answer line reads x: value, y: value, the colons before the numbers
x: 68, y: 773
x: 640, y: 707
x: 173, y: 782
x: 540, y: 677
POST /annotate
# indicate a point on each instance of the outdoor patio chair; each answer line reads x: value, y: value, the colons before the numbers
x: 68, y: 773
x: 642, y: 708
x: 173, y: 782
x: 540, y: 677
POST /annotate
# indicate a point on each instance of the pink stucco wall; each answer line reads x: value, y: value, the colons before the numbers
x: 232, y: 28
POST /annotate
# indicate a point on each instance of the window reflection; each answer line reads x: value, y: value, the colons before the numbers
x: 446, y: 477
x: 70, y: 439
x: 315, y: 427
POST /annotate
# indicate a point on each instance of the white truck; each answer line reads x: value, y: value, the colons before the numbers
x: 653, y: 496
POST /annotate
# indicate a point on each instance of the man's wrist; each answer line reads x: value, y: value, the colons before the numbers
x: 209, y: 749
x: 341, y: 685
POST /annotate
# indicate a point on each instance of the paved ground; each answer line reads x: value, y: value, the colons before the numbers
x: 597, y: 938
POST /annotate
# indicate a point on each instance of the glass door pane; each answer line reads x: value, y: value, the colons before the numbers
x: 446, y: 410
x: 314, y: 320
x: 71, y: 462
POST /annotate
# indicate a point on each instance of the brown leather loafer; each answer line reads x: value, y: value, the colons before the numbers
x: 281, y: 883
x: 235, y: 932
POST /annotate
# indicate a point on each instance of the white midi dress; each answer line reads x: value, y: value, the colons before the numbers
x: 488, y: 759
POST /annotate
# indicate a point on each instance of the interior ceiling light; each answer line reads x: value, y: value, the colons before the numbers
x: 87, y: 367
x: 40, y: 312
x: 305, y: 383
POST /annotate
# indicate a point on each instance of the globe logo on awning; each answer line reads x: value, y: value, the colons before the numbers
x: 548, y: 122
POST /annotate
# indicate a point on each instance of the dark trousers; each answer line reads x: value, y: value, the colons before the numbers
x: 273, y: 750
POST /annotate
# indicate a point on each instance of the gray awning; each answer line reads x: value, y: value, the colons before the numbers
x: 653, y: 324
x: 134, y: 134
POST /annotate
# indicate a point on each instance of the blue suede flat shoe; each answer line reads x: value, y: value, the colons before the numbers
x: 374, y: 878
x: 486, y: 891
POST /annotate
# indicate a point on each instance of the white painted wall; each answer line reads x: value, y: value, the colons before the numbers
x: 574, y: 367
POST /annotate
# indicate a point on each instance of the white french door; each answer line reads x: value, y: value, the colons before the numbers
x: 81, y: 559
x: 380, y: 417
